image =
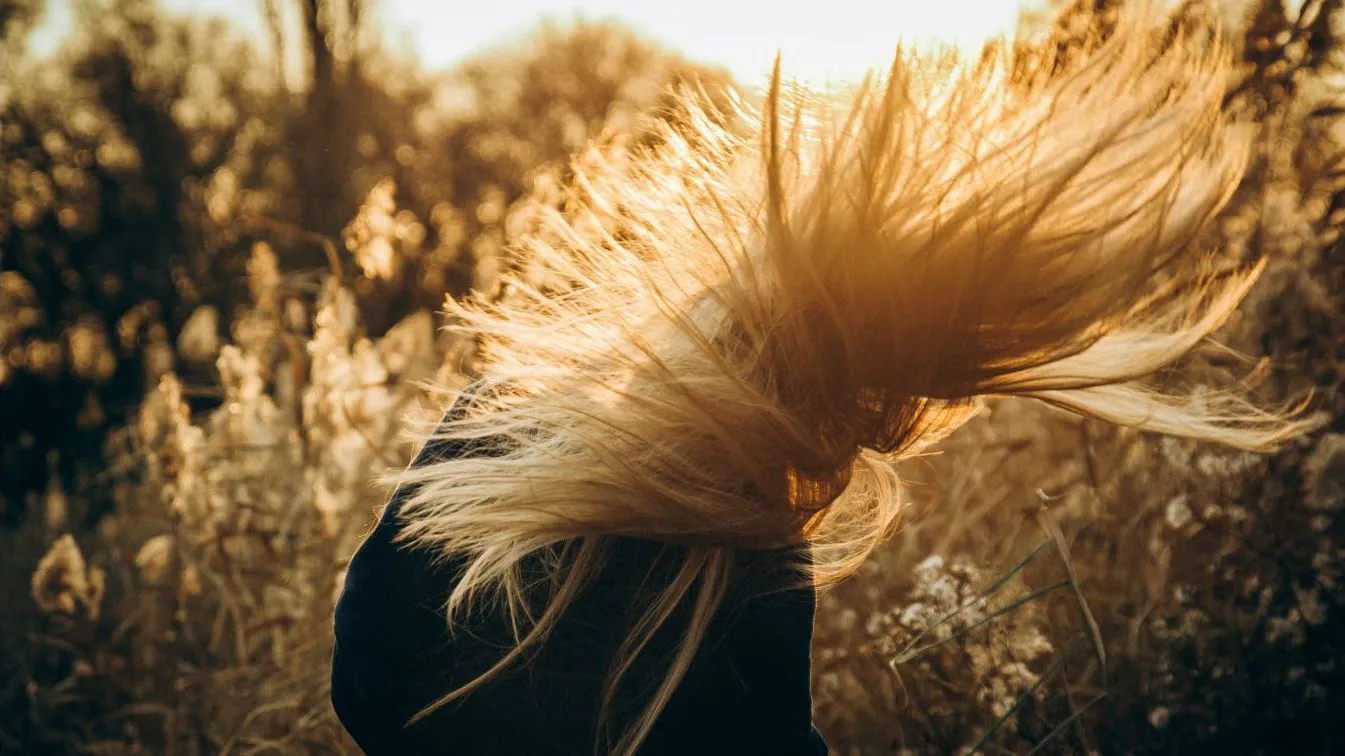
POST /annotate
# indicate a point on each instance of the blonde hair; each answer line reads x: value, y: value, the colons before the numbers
x: 749, y: 330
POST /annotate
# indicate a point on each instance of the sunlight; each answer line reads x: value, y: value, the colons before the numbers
x: 818, y: 40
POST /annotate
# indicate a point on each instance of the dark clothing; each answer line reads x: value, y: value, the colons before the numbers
x: 746, y: 693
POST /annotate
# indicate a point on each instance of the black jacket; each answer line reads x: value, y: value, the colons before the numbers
x: 746, y: 693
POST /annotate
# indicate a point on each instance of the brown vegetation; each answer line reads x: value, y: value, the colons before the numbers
x: 196, y: 399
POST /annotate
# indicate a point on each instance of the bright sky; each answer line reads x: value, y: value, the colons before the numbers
x: 817, y: 38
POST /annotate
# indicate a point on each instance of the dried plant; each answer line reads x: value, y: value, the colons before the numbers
x: 1058, y: 586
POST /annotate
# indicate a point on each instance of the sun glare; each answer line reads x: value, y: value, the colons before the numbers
x: 818, y: 40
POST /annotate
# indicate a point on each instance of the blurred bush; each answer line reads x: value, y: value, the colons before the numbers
x: 216, y: 307
x: 146, y: 161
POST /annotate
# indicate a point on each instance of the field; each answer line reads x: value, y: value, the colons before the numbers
x: 219, y: 305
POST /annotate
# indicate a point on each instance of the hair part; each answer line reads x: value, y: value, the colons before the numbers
x: 743, y: 332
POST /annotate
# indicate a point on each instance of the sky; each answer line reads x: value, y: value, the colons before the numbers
x: 817, y: 39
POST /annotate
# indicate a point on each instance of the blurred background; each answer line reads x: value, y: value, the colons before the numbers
x: 227, y: 229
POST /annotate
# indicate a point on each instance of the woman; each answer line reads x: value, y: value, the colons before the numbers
x: 747, y: 693
x: 612, y: 542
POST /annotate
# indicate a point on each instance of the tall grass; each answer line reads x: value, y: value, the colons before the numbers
x: 1059, y: 586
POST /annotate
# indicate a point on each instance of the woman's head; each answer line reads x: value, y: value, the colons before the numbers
x: 753, y: 327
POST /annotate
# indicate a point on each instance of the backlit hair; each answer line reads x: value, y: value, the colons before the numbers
x: 750, y: 329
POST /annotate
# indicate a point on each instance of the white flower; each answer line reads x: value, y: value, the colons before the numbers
x: 91, y: 355
x: 199, y: 340
x: 1178, y: 512
x: 153, y: 558
x: 62, y: 580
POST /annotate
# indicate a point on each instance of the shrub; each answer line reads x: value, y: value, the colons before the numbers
x: 1059, y: 586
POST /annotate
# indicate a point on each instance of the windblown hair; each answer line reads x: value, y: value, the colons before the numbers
x: 751, y: 329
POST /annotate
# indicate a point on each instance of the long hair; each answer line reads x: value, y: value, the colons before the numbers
x: 746, y: 329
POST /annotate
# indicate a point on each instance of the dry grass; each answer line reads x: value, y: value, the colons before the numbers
x: 1058, y: 587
